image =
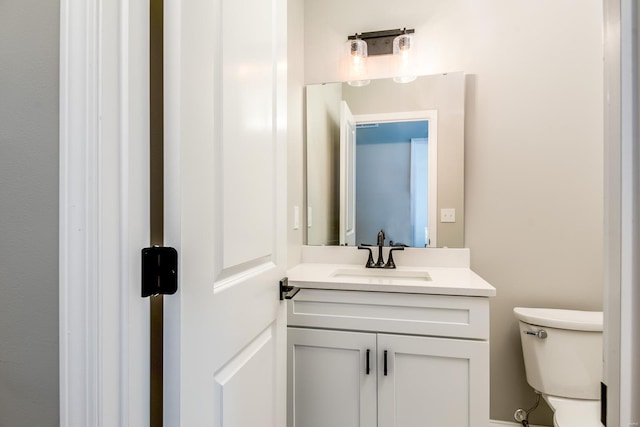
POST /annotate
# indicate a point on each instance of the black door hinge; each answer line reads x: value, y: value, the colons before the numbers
x: 159, y: 271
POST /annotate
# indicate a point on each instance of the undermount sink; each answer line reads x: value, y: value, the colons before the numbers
x: 381, y: 274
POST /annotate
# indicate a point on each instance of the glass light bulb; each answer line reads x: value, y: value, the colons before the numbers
x: 357, y: 50
x: 357, y: 67
x: 402, y: 56
x: 402, y: 44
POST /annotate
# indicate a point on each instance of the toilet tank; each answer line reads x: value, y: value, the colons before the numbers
x: 565, y: 360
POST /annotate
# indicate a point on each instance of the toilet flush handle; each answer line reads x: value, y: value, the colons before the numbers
x: 542, y: 334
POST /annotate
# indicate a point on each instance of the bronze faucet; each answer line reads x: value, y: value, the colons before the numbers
x: 380, y: 263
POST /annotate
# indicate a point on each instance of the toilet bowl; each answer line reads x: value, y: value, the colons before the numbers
x: 574, y: 412
x: 562, y: 352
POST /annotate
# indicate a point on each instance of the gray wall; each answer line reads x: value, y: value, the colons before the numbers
x: 29, y: 36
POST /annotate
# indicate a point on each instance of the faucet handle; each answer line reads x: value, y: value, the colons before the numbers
x: 370, y: 263
x: 390, y: 262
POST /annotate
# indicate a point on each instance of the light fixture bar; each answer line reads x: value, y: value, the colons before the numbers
x: 380, y: 42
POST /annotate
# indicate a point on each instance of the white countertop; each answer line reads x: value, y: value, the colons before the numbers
x: 443, y: 280
x: 342, y: 268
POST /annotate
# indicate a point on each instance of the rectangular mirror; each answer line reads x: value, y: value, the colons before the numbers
x: 386, y: 156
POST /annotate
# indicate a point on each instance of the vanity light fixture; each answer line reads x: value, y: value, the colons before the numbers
x: 359, y: 46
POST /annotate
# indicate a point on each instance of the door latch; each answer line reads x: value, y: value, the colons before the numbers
x: 159, y: 271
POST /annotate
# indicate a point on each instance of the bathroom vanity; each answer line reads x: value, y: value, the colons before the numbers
x: 377, y: 347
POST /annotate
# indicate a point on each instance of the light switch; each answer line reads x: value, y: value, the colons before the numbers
x: 296, y: 217
x: 447, y: 215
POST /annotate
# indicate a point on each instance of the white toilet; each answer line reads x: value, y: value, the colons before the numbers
x: 562, y: 352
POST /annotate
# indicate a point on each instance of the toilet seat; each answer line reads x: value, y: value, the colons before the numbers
x: 577, y: 413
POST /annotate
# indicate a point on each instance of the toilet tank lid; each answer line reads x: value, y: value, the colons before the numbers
x: 574, y: 320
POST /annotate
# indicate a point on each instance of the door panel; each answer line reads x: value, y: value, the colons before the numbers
x: 241, y: 384
x: 246, y: 156
x: 432, y: 381
x: 415, y: 384
x: 328, y: 383
x: 225, y: 201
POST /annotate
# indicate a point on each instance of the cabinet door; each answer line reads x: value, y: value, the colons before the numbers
x: 432, y: 382
x: 328, y: 380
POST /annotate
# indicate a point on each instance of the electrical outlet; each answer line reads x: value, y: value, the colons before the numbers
x: 447, y: 215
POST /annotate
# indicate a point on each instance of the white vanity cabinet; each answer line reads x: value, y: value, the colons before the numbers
x: 434, y: 347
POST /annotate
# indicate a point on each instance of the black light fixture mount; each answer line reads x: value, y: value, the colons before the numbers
x: 380, y: 42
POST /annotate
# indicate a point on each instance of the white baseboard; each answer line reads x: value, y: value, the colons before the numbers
x: 494, y: 423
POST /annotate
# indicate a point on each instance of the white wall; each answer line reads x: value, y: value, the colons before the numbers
x: 29, y: 37
x: 533, y: 145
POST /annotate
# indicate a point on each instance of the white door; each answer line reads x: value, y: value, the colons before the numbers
x: 347, y: 176
x: 332, y: 378
x: 432, y: 382
x: 225, y: 199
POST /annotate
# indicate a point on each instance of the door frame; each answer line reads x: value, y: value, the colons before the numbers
x: 104, y: 213
x: 347, y: 208
x: 621, y: 302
